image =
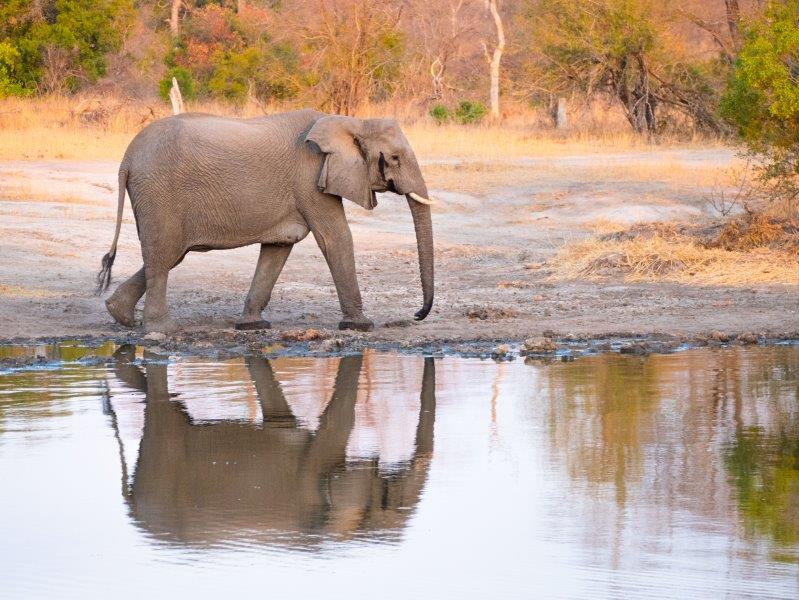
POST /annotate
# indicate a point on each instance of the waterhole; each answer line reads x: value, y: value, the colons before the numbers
x: 130, y: 474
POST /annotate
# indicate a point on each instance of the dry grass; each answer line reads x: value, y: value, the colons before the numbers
x: 673, y: 172
x: 24, y: 191
x: 492, y: 142
x: 760, y: 230
x: 100, y: 128
x: 479, y: 177
x: 674, y: 258
x: 16, y: 291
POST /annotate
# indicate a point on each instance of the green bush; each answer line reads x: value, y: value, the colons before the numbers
x: 61, y: 45
x: 469, y: 113
x: 265, y: 69
x: 9, y: 62
x: 185, y: 82
x: 762, y: 98
x: 440, y: 114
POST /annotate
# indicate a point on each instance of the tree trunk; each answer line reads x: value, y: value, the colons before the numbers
x: 733, y: 19
x: 639, y: 103
x: 496, y: 57
x: 174, y: 19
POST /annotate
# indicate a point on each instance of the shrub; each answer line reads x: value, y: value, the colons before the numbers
x: 60, y: 44
x: 440, y: 114
x: 9, y: 61
x: 264, y: 70
x: 762, y: 100
x: 185, y: 82
x: 468, y: 112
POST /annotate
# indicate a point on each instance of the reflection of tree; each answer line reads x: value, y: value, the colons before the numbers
x: 765, y: 471
x: 32, y: 394
x: 672, y: 432
x: 600, y: 408
x: 212, y: 482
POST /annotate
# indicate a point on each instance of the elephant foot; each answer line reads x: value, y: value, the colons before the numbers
x: 361, y: 324
x: 164, y: 325
x: 252, y: 325
x: 123, y: 312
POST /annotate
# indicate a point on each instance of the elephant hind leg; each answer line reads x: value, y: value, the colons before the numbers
x: 156, y: 313
x: 270, y: 263
x: 122, y: 302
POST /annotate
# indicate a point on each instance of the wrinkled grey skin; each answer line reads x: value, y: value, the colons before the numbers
x: 201, y: 182
x: 209, y: 483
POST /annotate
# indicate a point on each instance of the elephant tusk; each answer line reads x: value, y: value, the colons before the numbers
x: 420, y: 199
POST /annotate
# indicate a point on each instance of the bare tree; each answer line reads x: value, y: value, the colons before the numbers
x: 349, y: 50
x: 495, y: 58
x: 56, y: 68
x: 729, y: 41
x: 442, y: 28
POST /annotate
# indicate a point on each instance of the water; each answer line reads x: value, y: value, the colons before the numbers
x: 401, y: 476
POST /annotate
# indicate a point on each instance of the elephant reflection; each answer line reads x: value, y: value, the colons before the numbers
x: 210, y: 483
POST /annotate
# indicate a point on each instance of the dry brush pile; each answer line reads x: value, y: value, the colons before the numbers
x: 752, y: 249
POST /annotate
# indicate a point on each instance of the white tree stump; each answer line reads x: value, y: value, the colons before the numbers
x: 560, y: 115
x: 176, y: 98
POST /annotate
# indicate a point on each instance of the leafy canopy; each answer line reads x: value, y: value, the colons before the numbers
x: 762, y: 99
x: 58, y: 43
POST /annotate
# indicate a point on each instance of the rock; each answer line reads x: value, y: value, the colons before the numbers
x: 484, y: 313
x: 645, y: 347
x: 516, y: 283
x: 718, y: 336
x: 331, y: 345
x: 306, y: 335
x: 155, y: 336
x: 397, y: 323
x: 636, y: 348
x: 501, y: 352
x: 538, y: 345
x: 748, y: 339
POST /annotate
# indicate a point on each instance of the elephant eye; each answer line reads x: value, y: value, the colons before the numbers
x: 395, y: 158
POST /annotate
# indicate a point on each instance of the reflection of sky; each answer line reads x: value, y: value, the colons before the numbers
x: 506, y: 512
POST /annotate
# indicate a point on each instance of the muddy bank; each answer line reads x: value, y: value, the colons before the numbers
x: 493, y: 284
x: 24, y: 353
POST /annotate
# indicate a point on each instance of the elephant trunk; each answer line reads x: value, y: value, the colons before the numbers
x: 423, y: 224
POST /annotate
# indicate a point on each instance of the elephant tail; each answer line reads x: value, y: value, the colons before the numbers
x: 104, y: 276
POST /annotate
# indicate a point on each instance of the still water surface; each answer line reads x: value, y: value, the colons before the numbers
x: 402, y: 477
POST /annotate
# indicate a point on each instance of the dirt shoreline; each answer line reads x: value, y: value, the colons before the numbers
x: 24, y: 353
x: 493, y: 283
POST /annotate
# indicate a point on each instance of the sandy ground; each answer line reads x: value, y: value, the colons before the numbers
x: 57, y: 220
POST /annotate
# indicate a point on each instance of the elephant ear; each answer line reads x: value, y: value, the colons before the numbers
x: 344, y: 171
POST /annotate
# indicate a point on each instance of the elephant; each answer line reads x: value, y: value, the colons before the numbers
x: 273, y: 482
x: 201, y: 182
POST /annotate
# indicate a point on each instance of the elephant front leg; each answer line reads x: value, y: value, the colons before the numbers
x: 332, y: 233
x: 270, y: 263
